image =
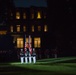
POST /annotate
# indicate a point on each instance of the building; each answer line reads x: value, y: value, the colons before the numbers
x: 27, y: 21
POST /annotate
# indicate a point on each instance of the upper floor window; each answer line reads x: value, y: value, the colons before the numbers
x: 45, y: 28
x: 44, y: 15
x: 17, y: 15
x: 24, y: 28
x: 33, y: 28
x: 38, y: 15
x: 18, y: 28
x: 11, y: 28
x: 39, y: 28
x: 24, y: 15
x: 32, y: 15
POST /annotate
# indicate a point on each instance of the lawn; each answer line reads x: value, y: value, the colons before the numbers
x: 52, y: 66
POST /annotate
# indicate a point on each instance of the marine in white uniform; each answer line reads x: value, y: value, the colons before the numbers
x: 26, y: 55
x: 22, y: 56
x: 30, y: 59
x: 34, y: 55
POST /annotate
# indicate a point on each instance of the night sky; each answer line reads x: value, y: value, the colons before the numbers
x: 28, y: 3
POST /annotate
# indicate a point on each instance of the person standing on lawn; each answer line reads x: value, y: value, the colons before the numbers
x: 26, y: 55
x: 22, y: 56
x: 34, y: 55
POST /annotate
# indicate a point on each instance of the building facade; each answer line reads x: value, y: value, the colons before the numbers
x: 27, y: 21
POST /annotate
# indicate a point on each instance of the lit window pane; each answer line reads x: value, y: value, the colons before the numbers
x: 11, y: 28
x: 18, y: 28
x: 19, y: 42
x: 45, y: 28
x: 37, y: 42
x: 17, y: 15
x: 24, y: 15
x: 24, y: 28
x: 39, y: 28
x: 38, y: 15
x: 28, y: 40
x: 33, y: 28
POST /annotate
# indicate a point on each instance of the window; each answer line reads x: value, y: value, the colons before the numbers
x: 3, y: 32
x: 39, y: 28
x: 44, y: 15
x: 19, y: 42
x: 17, y: 15
x: 32, y: 15
x: 37, y: 42
x: 11, y: 28
x: 45, y: 28
x: 28, y: 40
x: 18, y: 28
x: 38, y: 15
x: 32, y: 28
x: 24, y: 28
x: 24, y: 15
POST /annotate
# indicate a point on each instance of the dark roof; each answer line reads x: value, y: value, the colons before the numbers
x: 28, y: 3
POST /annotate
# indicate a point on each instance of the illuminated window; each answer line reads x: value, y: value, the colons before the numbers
x: 37, y: 42
x: 32, y: 28
x: 18, y: 28
x: 28, y: 40
x: 45, y: 28
x: 38, y: 15
x: 17, y: 15
x: 39, y: 28
x: 24, y: 28
x: 3, y: 32
x: 11, y: 28
x: 19, y: 42
x: 24, y: 15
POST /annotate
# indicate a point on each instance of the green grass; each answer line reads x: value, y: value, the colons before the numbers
x: 52, y: 66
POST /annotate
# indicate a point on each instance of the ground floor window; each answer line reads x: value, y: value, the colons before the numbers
x: 37, y: 42
x: 19, y: 42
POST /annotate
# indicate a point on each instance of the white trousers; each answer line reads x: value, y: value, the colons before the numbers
x: 34, y: 59
x: 26, y: 60
x: 30, y: 59
x: 22, y: 59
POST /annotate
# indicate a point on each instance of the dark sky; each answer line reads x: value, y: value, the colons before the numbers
x: 28, y: 3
